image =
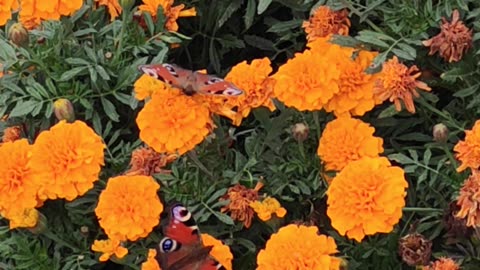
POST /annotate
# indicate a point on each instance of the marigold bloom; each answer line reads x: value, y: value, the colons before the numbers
x: 298, y: 247
x: 109, y: 248
x: 129, y: 207
x: 468, y: 150
x: 151, y: 263
x: 22, y: 218
x: 308, y: 81
x: 257, y: 86
x: 145, y: 161
x: 172, y: 122
x: 380, y: 194
x: 469, y: 200
x: 171, y: 13
x: 220, y: 251
x: 17, y: 188
x: 33, y: 12
x: 11, y: 134
x: 267, y: 207
x: 66, y: 160
x: 453, y: 40
x: 146, y: 86
x: 339, y: 145
x: 324, y: 21
x: 355, y: 96
x: 6, y: 8
x: 398, y: 82
x: 114, y: 8
x: 443, y: 264
x: 240, y: 198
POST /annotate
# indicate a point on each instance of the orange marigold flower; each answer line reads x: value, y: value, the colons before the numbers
x: 17, y: 188
x: 380, y: 194
x: 11, y: 134
x: 298, y: 247
x: 267, y: 207
x: 453, y: 40
x: 114, y: 8
x: 22, y: 218
x: 220, y: 251
x: 146, y: 86
x: 239, y: 206
x: 66, y: 160
x: 443, y: 264
x: 171, y: 13
x: 109, y: 248
x: 398, y: 82
x: 257, y: 86
x: 172, y: 122
x: 468, y: 151
x: 339, y: 145
x: 145, y: 161
x: 129, y: 207
x: 6, y: 8
x: 151, y: 263
x: 355, y: 96
x: 310, y: 79
x: 469, y: 200
x: 33, y: 12
x: 324, y: 21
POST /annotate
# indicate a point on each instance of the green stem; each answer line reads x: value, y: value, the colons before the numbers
x: 421, y: 209
x: 453, y: 161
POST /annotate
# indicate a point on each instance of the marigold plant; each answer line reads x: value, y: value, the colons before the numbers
x: 298, y: 247
x: 380, y: 194
x: 339, y: 146
x: 66, y: 160
x: 129, y: 207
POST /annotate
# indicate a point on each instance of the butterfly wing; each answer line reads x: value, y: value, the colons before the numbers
x: 168, y: 73
x: 182, y: 247
x: 212, y: 85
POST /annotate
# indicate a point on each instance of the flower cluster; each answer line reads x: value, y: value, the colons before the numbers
x: 442, y: 264
x: 298, y: 247
x: 240, y: 199
x: 380, y: 194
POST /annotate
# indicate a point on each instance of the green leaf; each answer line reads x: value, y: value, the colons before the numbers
x: 467, y: 91
x: 285, y: 26
x: 7, y: 52
x: 259, y: 42
x: 263, y: 5
x: 83, y: 32
x: 23, y: 108
x: 249, y: 13
x: 224, y: 218
x: 102, y: 72
x: 77, y: 61
x: 109, y: 109
x: 233, y: 6
x: 72, y: 73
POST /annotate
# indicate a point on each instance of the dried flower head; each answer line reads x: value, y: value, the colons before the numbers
x: 469, y: 200
x: 145, y: 161
x: 443, y: 264
x: 324, y: 21
x: 468, y: 150
x: 11, y: 134
x: 380, y: 194
x: 220, y: 251
x: 129, y: 207
x: 397, y: 82
x: 298, y: 247
x: 415, y: 249
x: 456, y: 228
x: 239, y: 206
x: 453, y: 41
x: 172, y: 13
x: 339, y: 145
x: 109, y: 248
x: 266, y: 208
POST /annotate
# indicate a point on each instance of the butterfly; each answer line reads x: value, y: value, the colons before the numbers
x: 189, y: 81
x: 182, y: 247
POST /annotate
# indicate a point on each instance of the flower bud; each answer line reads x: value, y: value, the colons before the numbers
x: 63, y: 109
x: 18, y: 34
x: 415, y: 249
x: 126, y: 4
x: 300, y: 132
x: 84, y: 231
x: 440, y: 133
x: 108, y: 55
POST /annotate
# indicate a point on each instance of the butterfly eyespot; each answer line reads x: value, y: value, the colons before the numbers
x: 170, y: 69
x: 232, y: 92
x: 214, y: 80
x: 150, y: 72
x: 168, y: 245
x: 181, y: 213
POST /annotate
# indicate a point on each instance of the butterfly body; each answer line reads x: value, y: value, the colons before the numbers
x: 182, y: 247
x: 189, y: 81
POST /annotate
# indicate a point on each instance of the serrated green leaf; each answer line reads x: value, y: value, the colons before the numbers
x: 285, y: 26
x: 110, y: 110
x: 23, y: 108
x: 102, y: 72
x: 72, y: 73
x: 467, y: 91
x: 224, y: 218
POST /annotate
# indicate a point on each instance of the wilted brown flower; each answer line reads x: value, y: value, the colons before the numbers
x: 453, y: 40
x: 469, y: 200
x: 145, y: 161
x: 325, y: 21
x: 443, y: 264
x: 415, y: 249
x: 239, y: 206
x: 456, y: 227
x: 11, y: 134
